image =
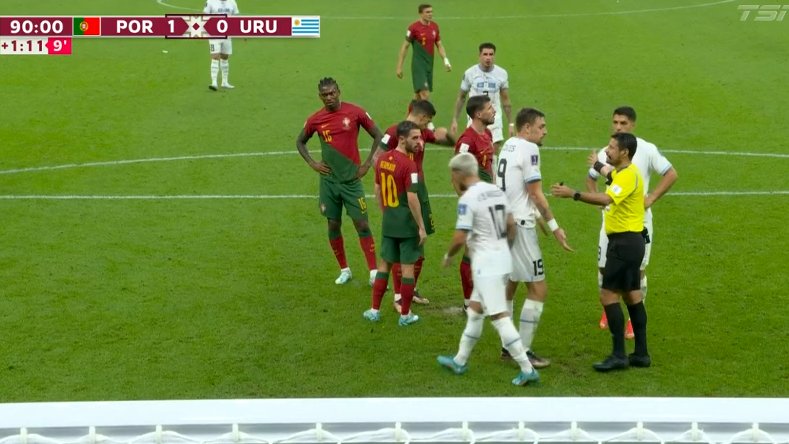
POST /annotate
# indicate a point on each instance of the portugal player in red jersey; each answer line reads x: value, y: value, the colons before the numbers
x: 423, y: 35
x: 478, y: 141
x: 337, y: 125
x: 421, y: 113
x: 403, y: 231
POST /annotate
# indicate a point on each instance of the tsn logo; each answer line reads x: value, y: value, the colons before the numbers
x: 764, y: 13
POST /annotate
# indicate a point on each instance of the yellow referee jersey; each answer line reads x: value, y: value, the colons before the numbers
x: 626, y: 213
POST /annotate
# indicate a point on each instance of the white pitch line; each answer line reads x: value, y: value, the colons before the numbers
x: 315, y: 196
x: 293, y: 152
x: 504, y: 17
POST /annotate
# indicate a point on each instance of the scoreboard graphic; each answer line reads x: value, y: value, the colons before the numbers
x: 53, y: 34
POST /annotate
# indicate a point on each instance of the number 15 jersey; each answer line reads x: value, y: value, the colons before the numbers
x: 483, y: 211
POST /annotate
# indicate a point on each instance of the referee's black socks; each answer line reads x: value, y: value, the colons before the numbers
x: 616, y: 324
x: 638, y: 316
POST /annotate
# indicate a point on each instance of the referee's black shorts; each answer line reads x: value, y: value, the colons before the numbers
x: 623, y: 258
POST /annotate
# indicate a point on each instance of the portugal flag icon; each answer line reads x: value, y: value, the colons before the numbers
x: 87, y: 26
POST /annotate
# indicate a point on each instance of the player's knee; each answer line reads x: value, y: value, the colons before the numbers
x: 362, y: 227
x: 334, y: 224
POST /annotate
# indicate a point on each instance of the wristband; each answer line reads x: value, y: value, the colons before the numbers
x: 598, y: 166
x: 446, y: 61
x: 553, y: 225
x: 512, y: 124
x: 446, y: 257
x: 577, y: 196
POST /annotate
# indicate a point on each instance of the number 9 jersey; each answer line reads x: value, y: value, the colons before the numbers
x: 483, y: 210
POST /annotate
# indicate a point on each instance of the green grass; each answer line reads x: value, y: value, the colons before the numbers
x: 226, y: 298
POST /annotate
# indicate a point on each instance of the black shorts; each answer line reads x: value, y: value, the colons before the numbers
x: 622, y: 270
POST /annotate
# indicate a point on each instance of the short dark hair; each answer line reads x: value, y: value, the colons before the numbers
x: 475, y: 104
x: 423, y: 107
x: 327, y: 81
x: 527, y: 115
x: 626, y: 141
x: 424, y: 6
x: 626, y: 111
x: 405, y: 127
x: 487, y: 45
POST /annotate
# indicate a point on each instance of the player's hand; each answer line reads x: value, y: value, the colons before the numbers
x: 446, y: 262
x: 648, y: 201
x: 422, y: 236
x: 562, y: 238
x: 453, y: 128
x: 320, y: 167
x: 591, y: 159
x: 399, y: 72
x: 363, y: 168
x: 448, y: 67
x: 560, y: 190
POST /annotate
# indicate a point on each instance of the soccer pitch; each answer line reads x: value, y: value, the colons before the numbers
x: 162, y: 241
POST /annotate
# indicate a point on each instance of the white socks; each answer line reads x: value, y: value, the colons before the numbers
x: 225, y: 65
x: 529, y: 320
x: 214, y: 71
x: 470, y: 336
x: 512, y: 342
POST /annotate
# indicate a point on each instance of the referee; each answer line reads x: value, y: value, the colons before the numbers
x: 624, y: 223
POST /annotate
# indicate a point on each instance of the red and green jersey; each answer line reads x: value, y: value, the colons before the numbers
x: 396, y: 175
x: 481, y: 146
x: 389, y: 142
x: 339, y: 132
x: 423, y: 39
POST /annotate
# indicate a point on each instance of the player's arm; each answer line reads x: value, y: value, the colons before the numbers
x: 455, y: 245
x: 506, y: 105
x: 511, y: 230
x: 416, y: 213
x: 377, y: 136
x: 401, y: 58
x: 666, y: 182
x: 594, y: 198
x: 461, y: 99
x: 301, y: 145
x: 534, y: 190
x: 443, y: 137
x: 443, y: 53
x: 378, y: 194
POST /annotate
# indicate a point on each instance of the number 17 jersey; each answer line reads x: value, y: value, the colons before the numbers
x: 483, y: 210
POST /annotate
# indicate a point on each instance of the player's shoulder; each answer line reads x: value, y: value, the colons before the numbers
x: 648, y: 147
x: 317, y: 115
x: 499, y: 71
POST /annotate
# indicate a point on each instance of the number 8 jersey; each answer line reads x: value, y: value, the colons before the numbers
x: 483, y: 210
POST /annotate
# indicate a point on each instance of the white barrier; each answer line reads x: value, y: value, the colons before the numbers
x: 383, y: 420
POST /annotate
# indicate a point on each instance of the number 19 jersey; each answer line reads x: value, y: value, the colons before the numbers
x: 483, y: 210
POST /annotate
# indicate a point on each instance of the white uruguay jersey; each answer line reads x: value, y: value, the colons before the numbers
x: 483, y: 210
x: 519, y: 164
x: 477, y: 82
x: 648, y: 160
x: 228, y: 7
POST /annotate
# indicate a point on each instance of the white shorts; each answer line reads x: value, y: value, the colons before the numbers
x: 495, y: 128
x: 527, y: 265
x: 491, y: 292
x: 220, y: 46
x: 602, y: 245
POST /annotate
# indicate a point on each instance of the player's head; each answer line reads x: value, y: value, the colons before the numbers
x: 621, y: 149
x: 463, y: 166
x: 422, y: 112
x: 329, y: 93
x: 487, y: 54
x: 530, y: 124
x: 426, y: 12
x: 624, y: 119
x: 409, y: 136
x: 481, y: 108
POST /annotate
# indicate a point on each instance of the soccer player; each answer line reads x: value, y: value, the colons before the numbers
x: 403, y: 230
x: 476, y: 140
x: 624, y: 223
x: 649, y: 162
x: 337, y: 125
x: 220, y: 49
x: 423, y: 35
x: 421, y: 113
x: 487, y: 78
x: 486, y: 225
x: 518, y: 175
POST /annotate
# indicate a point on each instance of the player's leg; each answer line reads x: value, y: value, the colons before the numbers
x: 214, y: 49
x: 602, y: 248
x: 331, y: 208
x: 224, y: 62
x: 649, y: 237
x: 356, y: 206
x: 468, y: 339
x: 390, y: 254
x: 466, y: 283
x: 410, y: 252
x: 397, y: 276
x: 430, y: 228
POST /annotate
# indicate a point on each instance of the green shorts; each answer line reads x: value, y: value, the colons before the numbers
x: 427, y: 213
x: 422, y: 78
x: 334, y: 195
x: 402, y: 250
